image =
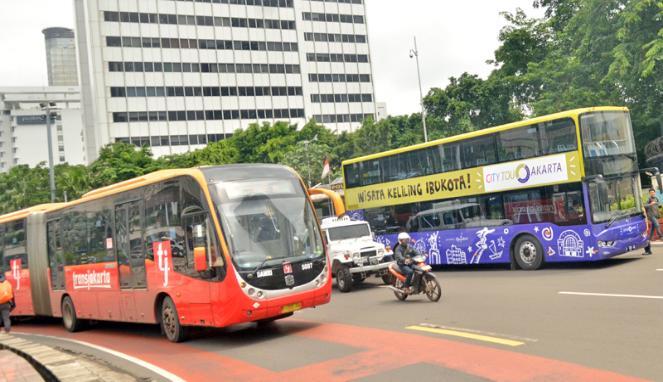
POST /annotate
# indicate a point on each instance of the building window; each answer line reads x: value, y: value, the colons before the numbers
x: 336, y: 57
x: 149, y: 42
x: 333, y: 17
x: 200, y: 115
x: 205, y: 67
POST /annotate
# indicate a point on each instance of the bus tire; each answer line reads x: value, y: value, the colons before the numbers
x: 170, y: 322
x: 344, y: 279
x: 69, y: 319
x: 528, y: 253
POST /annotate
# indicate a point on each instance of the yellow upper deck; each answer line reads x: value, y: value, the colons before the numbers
x: 564, y: 114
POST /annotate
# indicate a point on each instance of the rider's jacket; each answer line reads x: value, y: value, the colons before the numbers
x: 404, y: 251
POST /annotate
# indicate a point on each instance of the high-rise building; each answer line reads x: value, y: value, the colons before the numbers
x: 61, y: 56
x: 23, y: 129
x: 177, y: 74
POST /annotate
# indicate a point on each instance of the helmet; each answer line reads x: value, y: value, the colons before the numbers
x: 403, y: 236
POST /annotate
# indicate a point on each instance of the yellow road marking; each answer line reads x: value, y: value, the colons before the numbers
x: 472, y: 336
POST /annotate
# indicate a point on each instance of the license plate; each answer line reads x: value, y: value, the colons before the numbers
x: 291, y: 307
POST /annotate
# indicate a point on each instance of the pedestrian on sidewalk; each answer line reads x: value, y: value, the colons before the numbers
x: 652, y: 215
x: 6, y: 301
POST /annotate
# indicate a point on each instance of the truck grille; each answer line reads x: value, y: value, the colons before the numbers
x: 368, y: 253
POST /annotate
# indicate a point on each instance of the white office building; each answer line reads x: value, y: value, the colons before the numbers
x: 177, y: 74
x: 23, y: 129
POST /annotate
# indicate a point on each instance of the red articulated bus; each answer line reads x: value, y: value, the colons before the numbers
x: 210, y: 247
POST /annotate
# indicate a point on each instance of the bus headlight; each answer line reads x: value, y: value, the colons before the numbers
x: 604, y: 244
x: 356, y: 255
x: 380, y: 252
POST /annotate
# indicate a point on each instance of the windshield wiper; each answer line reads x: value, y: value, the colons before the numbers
x: 615, y: 217
x: 259, y: 267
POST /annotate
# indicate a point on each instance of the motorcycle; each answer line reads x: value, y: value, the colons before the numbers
x: 423, y: 281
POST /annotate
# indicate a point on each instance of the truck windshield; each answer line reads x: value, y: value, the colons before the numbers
x: 349, y: 232
x: 267, y: 220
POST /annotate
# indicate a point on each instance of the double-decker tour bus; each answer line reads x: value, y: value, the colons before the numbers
x: 211, y: 247
x: 558, y: 188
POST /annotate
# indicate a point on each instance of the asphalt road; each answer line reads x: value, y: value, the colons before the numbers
x: 590, y: 322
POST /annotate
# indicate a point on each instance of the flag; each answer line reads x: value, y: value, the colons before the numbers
x: 326, y: 170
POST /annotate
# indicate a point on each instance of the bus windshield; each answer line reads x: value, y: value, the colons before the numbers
x: 267, y: 220
x: 608, y: 144
x: 614, y: 198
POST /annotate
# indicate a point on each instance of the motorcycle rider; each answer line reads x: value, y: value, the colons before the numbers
x: 404, y: 254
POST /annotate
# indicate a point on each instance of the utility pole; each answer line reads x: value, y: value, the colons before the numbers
x: 48, y: 108
x: 414, y: 53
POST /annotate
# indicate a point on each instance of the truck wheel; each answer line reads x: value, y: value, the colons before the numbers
x: 344, y: 279
x: 528, y: 253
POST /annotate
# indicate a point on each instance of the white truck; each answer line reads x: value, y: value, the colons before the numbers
x: 354, y: 254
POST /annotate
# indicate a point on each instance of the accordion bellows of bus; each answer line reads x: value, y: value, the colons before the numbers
x: 211, y: 246
x: 557, y: 188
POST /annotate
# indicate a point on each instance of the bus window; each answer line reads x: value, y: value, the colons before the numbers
x: 480, y: 151
x: 520, y: 143
x: 162, y: 218
x: 558, y: 136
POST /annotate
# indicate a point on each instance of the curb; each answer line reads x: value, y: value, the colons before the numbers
x: 57, y: 366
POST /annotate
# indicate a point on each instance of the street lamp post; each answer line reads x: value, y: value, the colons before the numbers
x: 48, y: 108
x: 414, y: 53
x: 308, y: 160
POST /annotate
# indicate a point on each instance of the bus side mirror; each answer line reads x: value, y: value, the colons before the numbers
x: 200, y: 259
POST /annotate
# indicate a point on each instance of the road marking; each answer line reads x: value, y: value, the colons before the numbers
x: 155, y: 369
x: 612, y: 295
x: 659, y: 270
x: 473, y: 336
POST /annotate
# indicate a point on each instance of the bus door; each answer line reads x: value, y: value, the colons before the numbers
x: 130, y: 255
x: 56, y: 255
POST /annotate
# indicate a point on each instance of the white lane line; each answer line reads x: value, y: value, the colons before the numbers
x: 153, y: 368
x: 659, y: 270
x: 612, y: 295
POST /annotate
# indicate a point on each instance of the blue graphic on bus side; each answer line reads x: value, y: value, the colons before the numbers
x: 493, y: 244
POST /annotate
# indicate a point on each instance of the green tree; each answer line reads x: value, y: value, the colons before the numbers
x: 121, y: 161
x: 23, y: 187
x: 308, y: 161
x: 72, y: 181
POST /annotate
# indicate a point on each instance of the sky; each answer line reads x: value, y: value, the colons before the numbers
x: 453, y: 36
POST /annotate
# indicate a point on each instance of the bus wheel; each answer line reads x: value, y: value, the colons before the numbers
x: 69, y: 319
x: 344, y: 279
x: 528, y: 253
x: 170, y: 322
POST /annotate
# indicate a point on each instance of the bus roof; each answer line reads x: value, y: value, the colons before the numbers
x: 478, y: 133
x: 227, y: 171
x: 22, y: 214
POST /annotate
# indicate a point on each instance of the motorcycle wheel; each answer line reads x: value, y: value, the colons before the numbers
x: 400, y: 295
x: 433, y: 288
